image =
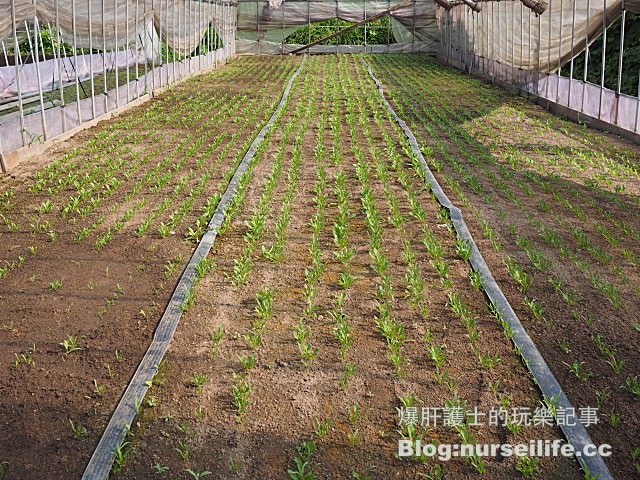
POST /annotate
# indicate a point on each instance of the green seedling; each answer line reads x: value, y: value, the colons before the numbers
x: 216, y: 338
x: 198, y: 381
x: 321, y: 428
x: 197, y: 476
x: 77, y: 429
x: 71, y: 344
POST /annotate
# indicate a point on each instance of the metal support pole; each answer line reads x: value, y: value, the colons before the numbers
x: 75, y: 58
x: 604, y: 57
x: 4, y: 51
x: 173, y: 38
x: 388, y: 26
x: 637, y: 108
x: 337, y: 13
x: 539, y: 67
x: 521, y: 44
x: 115, y: 50
x: 104, y: 59
x: 413, y: 41
x: 529, y: 40
x: 36, y: 28
x: 549, y: 53
x: 144, y: 47
x: 586, y: 57
x: 137, y: 35
x: 621, y: 52
x: 127, y: 34
x: 620, y: 55
x: 560, y: 51
x: 153, y: 49
x: 92, y: 81
x: 364, y: 4
x: 573, y: 29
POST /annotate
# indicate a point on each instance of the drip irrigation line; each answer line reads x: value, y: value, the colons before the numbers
x: 576, y: 434
x: 101, y: 461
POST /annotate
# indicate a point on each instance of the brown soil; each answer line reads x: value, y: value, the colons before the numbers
x: 286, y: 397
x: 110, y: 297
x: 526, y: 172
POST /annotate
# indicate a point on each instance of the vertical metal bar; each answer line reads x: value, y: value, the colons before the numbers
x: 521, y: 45
x: 173, y: 38
x: 4, y: 51
x: 153, y: 47
x: 604, y: 57
x: 413, y: 41
x: 36, y: 28
x: 492, y: 45
x: 44, y: 57
x: 637, y: 107
x: 500, y: 34
x: 529, y: 40
x: 513, y: 43
x: 549, y: 52
x: 217, y: 29
x: 92, y: 81
x: 309, y: 22
x: 586, y: 57
x: 104, y: 59
x: 115, y: 50
x: 560, y: 51
x: 144, y: 46
x: 75, y: 58
x: 573, y: 30
x: 388, y: 26
x: 620, y: 54
x: 127, y: 34
x: 364, y: 4
x: 18, y: 62
x: 138, y: 37
x: 539, y: 65
x: 337, y: 41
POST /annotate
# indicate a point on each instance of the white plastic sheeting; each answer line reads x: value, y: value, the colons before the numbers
x: 264, y: 25
x: 591, y: 100
x: 508, y: 43
x: 157, y: 37
x: 53, y: 71
x: 111, y: 24
x: 16, y: 133
x: 512, y: 34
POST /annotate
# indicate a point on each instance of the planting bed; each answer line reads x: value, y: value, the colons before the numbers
x: 92, y: 246
x: 336, y: 295
x: 555, y: 209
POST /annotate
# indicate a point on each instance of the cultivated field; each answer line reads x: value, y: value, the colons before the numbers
x: 337, y: 298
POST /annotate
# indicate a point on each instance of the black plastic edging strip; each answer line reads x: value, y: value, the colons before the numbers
x: 101, y: 461
x: 576, y: 435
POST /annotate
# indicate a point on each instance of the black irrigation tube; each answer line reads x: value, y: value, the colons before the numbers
x: 576, y: 435
x: 101, y: 461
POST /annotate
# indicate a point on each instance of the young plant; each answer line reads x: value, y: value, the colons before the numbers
x: 321, y: 428
x: 71, y: 344
x: 198, y: 381
x: 216, y: 337
x: 77, y: 429
x: 241, y: 392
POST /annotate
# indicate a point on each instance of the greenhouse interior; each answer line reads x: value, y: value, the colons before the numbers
x: 324, y: 239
